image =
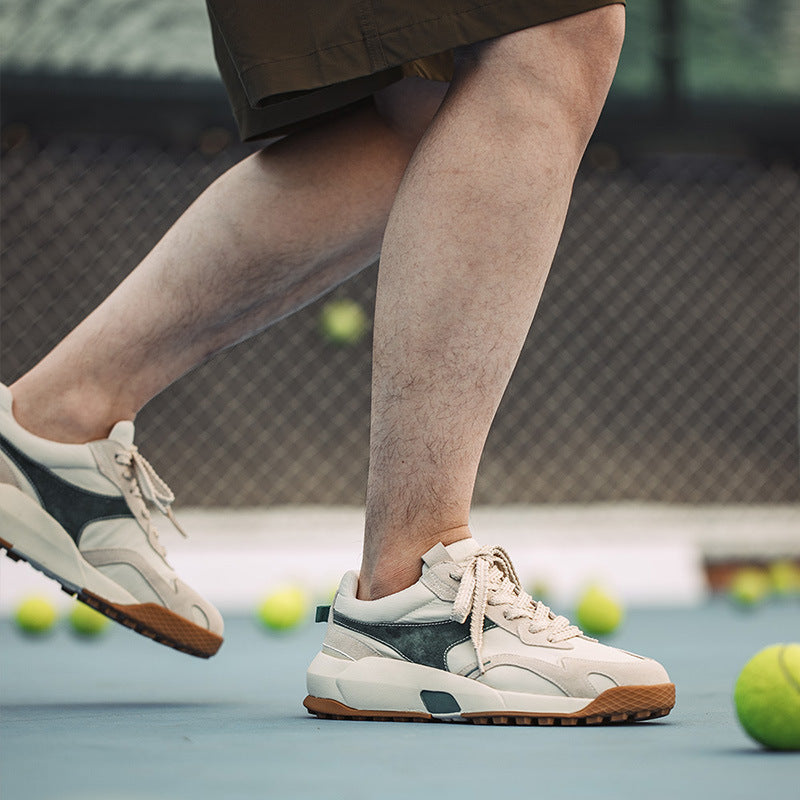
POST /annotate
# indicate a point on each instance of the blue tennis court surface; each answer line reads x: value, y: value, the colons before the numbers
x: 124, y: 719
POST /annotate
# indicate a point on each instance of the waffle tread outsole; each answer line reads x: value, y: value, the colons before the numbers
x: 621, y: 704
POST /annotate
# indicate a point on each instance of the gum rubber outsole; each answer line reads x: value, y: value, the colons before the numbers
x: 617, y: 705
x: 147, y: 619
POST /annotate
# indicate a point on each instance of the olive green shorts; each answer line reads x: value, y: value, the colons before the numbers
x: 288, y: 65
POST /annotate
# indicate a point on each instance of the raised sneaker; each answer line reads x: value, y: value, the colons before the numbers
x: 80, y: 513
x: 467, y: 644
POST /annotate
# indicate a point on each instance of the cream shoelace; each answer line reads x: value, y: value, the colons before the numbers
x: 147, y: 485
x: 488, y: 578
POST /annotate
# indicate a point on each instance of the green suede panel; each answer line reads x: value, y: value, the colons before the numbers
x: 425, y: 643
x: 72, y: 507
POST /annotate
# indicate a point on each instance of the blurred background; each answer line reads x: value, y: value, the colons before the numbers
x: 657, y: 396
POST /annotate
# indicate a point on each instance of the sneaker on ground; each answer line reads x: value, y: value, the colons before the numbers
x: 467, y: 644
x: 80, y: 513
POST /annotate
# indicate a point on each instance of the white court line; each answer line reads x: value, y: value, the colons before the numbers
x: 650, y: 554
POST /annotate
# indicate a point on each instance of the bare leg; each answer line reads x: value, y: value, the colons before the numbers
x: 467, y: 249
x: 273, y: 233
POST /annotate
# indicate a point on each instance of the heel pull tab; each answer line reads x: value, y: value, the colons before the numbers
x: 322, y: 613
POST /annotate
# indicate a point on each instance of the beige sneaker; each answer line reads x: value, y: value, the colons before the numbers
x: 80, y: 513
x: 467, y: 644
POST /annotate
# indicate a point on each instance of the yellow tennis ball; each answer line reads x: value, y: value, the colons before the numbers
x: 784, y: 577
x: 767, y: 697
x: 749, y: 587
x: 284, y: 609
x: 343, y: 321
x: 35, y: 615
x: 598, y: 612
x: 85, y: 621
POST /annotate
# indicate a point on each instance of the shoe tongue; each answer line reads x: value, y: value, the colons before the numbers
x: 458, y: 552
x: 122, y: 433
x: 461, y: 551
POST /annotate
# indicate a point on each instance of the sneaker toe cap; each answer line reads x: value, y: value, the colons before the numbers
x: 620, y: 666
x: 638, y: 671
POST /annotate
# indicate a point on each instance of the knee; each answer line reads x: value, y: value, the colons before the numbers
x: 567, y: 66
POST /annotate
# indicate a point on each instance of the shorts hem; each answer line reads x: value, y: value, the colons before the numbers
x: 341, y: 62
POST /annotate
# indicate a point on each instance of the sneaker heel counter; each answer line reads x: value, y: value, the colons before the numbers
x: 11, y: 475
x: 7, y: 474
x: 341, y: 644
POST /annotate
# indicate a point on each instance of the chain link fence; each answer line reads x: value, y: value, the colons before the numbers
x: 662, y: 364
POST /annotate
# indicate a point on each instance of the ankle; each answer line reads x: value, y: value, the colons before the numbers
x: 389, y: 580
x: 398, y: 566
x: 71, y: 415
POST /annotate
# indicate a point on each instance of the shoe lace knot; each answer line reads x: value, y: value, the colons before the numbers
x: 488, y: 578
x: 150, y: 488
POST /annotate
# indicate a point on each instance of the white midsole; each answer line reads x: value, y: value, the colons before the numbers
x: 387, y: 684
x: 36, y: 536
